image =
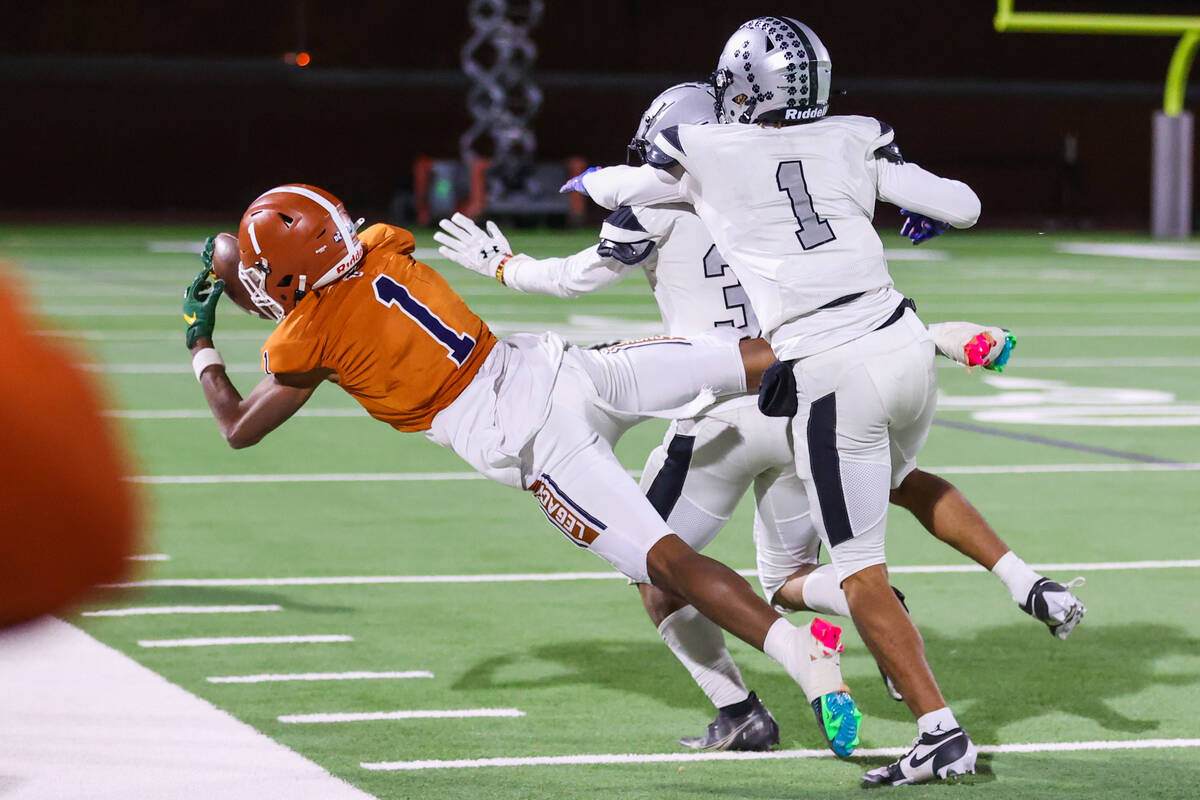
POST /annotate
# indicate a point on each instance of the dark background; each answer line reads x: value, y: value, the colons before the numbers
x: 148, y: 109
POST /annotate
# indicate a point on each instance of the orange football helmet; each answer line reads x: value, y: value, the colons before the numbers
x: 292, y: 239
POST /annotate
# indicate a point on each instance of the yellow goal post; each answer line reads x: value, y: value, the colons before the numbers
x: 1171, y: 212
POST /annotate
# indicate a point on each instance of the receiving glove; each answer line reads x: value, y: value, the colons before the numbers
x: 973, y: 345
x: 919, y: 227
x: 463, y: 242
x: 576, y: 183
x: 200, y: 299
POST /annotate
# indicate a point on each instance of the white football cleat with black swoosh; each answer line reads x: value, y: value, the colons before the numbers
x: 934, y: 756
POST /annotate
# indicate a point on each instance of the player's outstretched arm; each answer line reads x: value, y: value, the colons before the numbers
x: 612, y: 187
x: 243, y: 422
x: 918, y: 190
x: 489, y: 254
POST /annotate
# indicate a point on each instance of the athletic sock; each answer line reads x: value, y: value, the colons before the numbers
x: 1016, y: 575
x: 737, y: 709
x: 700, y: 646
x: 940, y: 721
x: 806, y: 660
x: 822, y: 592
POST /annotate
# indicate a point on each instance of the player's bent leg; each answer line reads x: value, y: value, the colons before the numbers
x: 653, y: 376
x: 947, y: 514
x: 742, y: 722
x: 695, y: 479
x: 810, y: 655
x: 587, y: 495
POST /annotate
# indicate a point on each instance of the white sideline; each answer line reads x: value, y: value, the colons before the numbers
x: 320, y: 676
x: 150, y: 557
x: 376, y: 716
x: 156, y: 610
x: 223, y: 640
x: 360, y: 477
x: 82, y: 720
x: 730, y: 755
x: 523, y: 577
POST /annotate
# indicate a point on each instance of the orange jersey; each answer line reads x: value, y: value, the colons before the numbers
x: 402, y: 343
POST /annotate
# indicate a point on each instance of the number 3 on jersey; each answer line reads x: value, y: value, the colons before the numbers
x: 390, y: 293
x: 814, y: 231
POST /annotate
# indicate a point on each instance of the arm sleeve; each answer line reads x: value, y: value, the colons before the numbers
x: 624, y: 243
x: 612, y: 187
x: 584, y: 272
x: 909, y: 186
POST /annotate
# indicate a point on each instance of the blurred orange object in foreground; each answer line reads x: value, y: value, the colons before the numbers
x: 67, y: 519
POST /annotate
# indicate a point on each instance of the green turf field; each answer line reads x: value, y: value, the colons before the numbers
x: 1082, y: 452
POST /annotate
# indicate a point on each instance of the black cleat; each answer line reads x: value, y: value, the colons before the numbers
x: 892, y: 691
x: 934, y: 756
x: 754, y: 730
x: 1054, y: 604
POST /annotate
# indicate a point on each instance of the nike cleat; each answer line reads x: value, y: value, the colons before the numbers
x: 888, y: 684
x: 934, y: 756
x: 840, y: 720
x: 1054, y: 604
x: 754, y: 730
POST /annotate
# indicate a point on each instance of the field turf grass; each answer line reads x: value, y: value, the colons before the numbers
x: 579, y: 657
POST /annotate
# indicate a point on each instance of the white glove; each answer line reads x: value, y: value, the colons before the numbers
x: 973, y: 345
x: 465, y: 243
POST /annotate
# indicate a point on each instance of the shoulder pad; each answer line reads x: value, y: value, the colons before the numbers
x: 885, y: 145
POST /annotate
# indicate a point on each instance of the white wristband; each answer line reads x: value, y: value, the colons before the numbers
x: 204, y: 359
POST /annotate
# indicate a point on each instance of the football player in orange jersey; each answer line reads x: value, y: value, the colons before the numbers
x: 528, y: 411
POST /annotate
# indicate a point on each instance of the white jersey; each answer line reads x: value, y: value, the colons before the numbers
x: 791, y: 208
x: 693, y: 285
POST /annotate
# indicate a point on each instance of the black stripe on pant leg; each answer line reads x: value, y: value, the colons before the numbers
x: 826, y: 469
x: 667, y: 485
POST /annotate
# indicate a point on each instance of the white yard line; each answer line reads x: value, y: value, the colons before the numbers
x: 360, y: 477
x: 1109, y: 331
x: 149, y: 557
x: 323, y: 477
x: 1134, y: 362
x: 204, y: 413
x: 138, y: 611
x: 1157, y: 252
x: 82, y: 720
x: 224, y: 640
x: 320, y: 676
x: 376, y: 716
x: 674, y: 758
x: 550, y: 577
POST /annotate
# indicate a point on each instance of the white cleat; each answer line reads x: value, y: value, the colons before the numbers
x: 934, y: 756
x: 1054, y: 604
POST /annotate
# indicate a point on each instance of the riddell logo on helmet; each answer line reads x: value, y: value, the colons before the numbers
x: 802, y: 113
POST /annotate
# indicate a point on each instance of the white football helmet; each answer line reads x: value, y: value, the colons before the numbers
x: 682, y: 104
x: 773, y: 69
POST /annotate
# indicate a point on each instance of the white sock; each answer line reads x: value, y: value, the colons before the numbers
x: 940, y: 721
x: 823, y: 593
x: 700, y: 646
x: 1016, y: 575
x: 808, y: 663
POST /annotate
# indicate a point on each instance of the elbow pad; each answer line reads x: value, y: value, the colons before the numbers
x: 624, y: 238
